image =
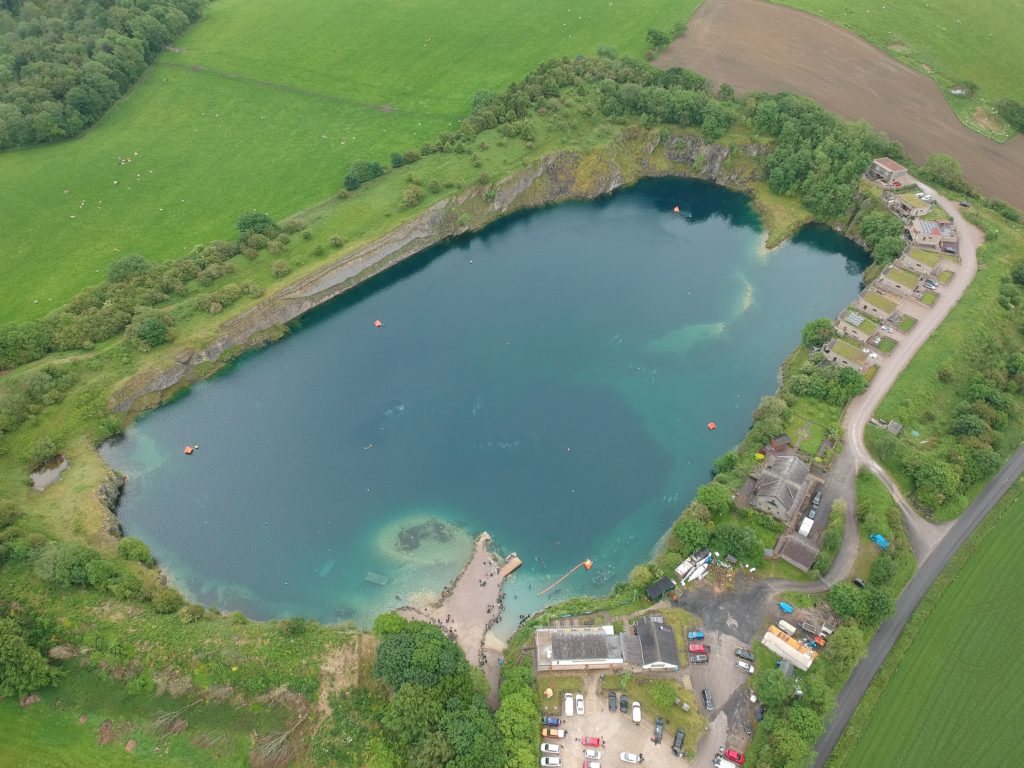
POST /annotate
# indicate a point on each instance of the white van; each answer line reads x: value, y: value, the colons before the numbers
x: 786, y: 627
x: 569, y: 706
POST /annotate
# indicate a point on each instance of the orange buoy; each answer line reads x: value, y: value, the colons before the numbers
x: 588, y: 564
x: 378, y: 324
x: 676, y: 209
x: 712, y: 425
x: 188, y: 450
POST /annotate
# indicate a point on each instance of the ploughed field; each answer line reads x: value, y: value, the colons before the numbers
x: 264, y: 106
x: 756, y: 46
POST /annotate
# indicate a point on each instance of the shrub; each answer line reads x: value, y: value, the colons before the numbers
x: 126, y: 268
x: 166, y: 600
x: 191, y: 613
x: 255, y: 223
x: 148, y: 330
x: 64, y: 563
x: 411, y: 197
x: 280, y: 268
x: 362, y: 171
x: 337, y: 241
x: 134, y: 549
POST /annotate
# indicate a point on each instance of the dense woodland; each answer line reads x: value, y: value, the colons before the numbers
x: 64, y: 64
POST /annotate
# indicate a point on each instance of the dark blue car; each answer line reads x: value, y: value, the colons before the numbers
x: 550, y: 721
x: 611, y: 701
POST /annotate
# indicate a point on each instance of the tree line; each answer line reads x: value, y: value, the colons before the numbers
x: 63, y: 65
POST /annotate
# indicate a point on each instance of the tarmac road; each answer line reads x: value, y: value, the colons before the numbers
x: 885, y: 637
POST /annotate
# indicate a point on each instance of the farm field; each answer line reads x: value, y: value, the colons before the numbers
x: 953, y: 690
x: 264, y: 106
x: 951, y: 42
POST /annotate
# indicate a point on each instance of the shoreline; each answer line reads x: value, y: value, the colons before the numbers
x: 467, y: 610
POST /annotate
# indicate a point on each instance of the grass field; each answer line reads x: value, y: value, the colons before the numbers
x: 952, y: 42
x: 951, y: 689
x: 51, y: 734
x: 264, y: 106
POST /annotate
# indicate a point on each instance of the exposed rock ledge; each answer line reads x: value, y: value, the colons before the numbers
x: 558, y: 177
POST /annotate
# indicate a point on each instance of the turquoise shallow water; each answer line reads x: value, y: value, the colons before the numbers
x: 548, y: 380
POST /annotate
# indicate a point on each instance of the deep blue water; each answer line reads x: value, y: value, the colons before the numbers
x: 548, y: 380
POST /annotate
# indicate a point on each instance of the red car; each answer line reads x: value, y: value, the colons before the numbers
x: 736, y: 757
x: 698, y: 648
x: 590, y: 741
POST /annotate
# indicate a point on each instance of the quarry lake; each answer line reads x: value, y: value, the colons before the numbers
x: 548, y: 380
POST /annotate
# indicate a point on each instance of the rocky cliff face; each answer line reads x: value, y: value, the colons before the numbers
x: 635, y: 154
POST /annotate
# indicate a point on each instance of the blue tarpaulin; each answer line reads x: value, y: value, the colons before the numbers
x: 786, y: 607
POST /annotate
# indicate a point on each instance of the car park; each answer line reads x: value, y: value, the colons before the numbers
x: 553, y: 762
x: 709, y: 703
x: 736, y: 757
x: 548, y: 720
x: 659, y: 729
x: 630, y: 757
x: 743, y: 653
x: 636, y: 713
x: 698, y: 648
x: 613, y: 701
x: 579, y: 703
x: 549, y: 749
x: 591, y: 741
x: 677, y: 742
x: 552, y: 733
x: 746, y: 666
x: 699, y: 658
x: 696, y: 634
x: 624, y: 703
x: 567, y: 705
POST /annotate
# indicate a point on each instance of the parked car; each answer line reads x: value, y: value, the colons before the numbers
x: 743, y: 653
x: 636, y: 713
x: 591, y: 764
x: 659, y: 729
x: 746, y: 666
x: 579, y: 703
x: 629, y: 757
x: 859, y: 582
x: 698, y: 648
x: 964, y: 204
x: 736, y: 757
x: 567, y: 705
x: 591, y: 754
x: 949, y: 249
x: 759, y: 713
x: 812, y: 512
x: 931, y: 284
x: 548, y: 720
x: 612, y: 701
x: 697, y: 634
x: 699, y: 658
x: 677, y: 742
x: 886, y: 328
x: 709, y: 703
x: 552, y: 733
x: 927, y: 198
x: 591, y: 741
x: 817, y: 494
x: 624, y: 703
x: 549, y: 749
x: 553, y: 762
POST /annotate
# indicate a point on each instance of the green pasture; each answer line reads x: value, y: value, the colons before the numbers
x: 952, y: 689
x: 264, y: 106
x: 952, y: 42
x: 50, y: 733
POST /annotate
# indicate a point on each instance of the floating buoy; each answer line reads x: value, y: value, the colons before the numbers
x: 676, y: 209
x: 378, y: 324
x: 188, y: 450
x: 712, y: 426
x: 588, y: 564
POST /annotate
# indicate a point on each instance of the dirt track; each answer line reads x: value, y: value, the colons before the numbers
x: 756, y: 46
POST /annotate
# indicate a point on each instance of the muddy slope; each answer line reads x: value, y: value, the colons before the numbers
x: 757, y: 46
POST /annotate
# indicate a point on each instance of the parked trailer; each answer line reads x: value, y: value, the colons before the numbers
x: 786, y: 627
x: 808, y: 627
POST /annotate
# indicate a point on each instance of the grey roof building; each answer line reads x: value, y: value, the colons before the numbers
x: 781, y: 487
x: 578, y: 648
x: 658, y: 646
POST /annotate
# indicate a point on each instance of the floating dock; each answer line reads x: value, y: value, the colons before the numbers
x: 376, y: 578
x: 512, y: 562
